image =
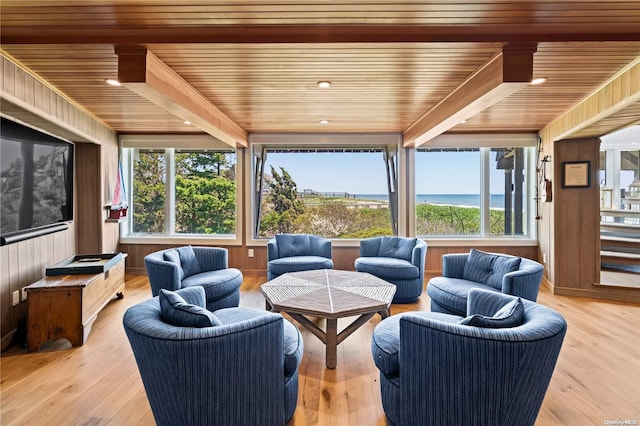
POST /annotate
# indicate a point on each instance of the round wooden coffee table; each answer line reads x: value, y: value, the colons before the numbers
x: 329, y: 294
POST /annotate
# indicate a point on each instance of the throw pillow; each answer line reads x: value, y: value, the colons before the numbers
x: 478, y: 266
x: 174, y: 256
x: 397, y: 247
x: 501, y: 266
x: 489, y: 268
x: 293, y: 245
x: 176, y: 311
x: 189, y: 261
x: 510, y: 315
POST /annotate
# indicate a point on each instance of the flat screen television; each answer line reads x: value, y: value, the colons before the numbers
x: 36, y: 180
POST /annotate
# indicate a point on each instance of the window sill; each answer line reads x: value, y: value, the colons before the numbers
x: 181, y: 239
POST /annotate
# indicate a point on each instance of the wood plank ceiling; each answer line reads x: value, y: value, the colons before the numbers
x: 258, y: 62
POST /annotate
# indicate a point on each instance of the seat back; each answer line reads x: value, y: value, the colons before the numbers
x: 458, y: 374
x: 212, y: 375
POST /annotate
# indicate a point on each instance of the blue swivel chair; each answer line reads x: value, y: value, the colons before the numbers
x: 398, y: 260
x: 207, y: 267
x: 297, y: 252
x: 490, y: 368
x: 489, y: 271
x: 232, y: 367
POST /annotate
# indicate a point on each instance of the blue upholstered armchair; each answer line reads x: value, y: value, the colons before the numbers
x: 297, y: 252
x: 398, y: 260
x: 183, y: 267
x: 490, y: 271
x: 232, y: 367
x: 490, y: 368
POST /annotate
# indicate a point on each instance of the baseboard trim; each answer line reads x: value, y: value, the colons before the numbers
x: 6, y: 340
x: 616, y: 294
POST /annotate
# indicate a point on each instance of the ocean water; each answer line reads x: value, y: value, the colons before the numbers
x: 497, y: 200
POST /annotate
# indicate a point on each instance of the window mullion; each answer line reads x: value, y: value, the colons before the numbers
x: 170, y: 192
x: 485, y: 192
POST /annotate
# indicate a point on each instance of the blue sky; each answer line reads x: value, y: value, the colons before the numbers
x: 364, y: 173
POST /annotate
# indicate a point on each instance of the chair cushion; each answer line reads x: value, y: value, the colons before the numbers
x: 510, y: 315
x: 489, y: 268
x: 189, y: 261
x: 299, y: 263
x: 174, y: 256
x: 387, y: 267
x: 397, y: 247
x: 216, y: 284
x: 176, y: 311
x: 385, y: 342
x: 452, y: 293
x: 293, y: 245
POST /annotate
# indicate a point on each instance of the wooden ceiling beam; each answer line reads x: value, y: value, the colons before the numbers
x: 297, y: 33
x: 501, y: 76
x: 145, y: 74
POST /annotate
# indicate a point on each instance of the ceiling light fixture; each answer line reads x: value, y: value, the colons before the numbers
x: 112, y: 82
x: 187, y: 122
x: 324, y: 84
x: 324, y: 121
x: 538, y: 80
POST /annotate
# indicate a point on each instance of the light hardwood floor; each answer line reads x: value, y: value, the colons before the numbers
x: 597, y: 378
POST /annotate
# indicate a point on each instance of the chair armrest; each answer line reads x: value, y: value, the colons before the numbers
x: 524, y: 282
x: 212, y: 258
x: 320, y: 246
x: 369, y: 247
x: 453, y: 264
x: 418, y: 255
x: 272, y: 250
x: 162, y: 273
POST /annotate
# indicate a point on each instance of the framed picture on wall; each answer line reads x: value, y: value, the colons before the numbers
x: 576, y: 174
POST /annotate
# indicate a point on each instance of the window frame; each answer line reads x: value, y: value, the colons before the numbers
x: 483, y: 142
x: 171, y: 143
x: 324, y: 140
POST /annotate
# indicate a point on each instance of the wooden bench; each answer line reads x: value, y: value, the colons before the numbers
x: 66, y: 306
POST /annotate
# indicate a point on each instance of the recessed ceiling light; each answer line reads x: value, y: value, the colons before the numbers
x: 187, y: 122
x: 112, y: 82
x: 538, y: 80
x: 324, y: 121
x: 324, y: 84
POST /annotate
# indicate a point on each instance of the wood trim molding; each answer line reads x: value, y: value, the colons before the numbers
x: 618, y: 294
x: 501, y: 76
x: 619, y: 93
x: 302, y: 33
x: 145, y: 74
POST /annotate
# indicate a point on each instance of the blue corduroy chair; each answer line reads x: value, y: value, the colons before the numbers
x: 242, y: 371
x: 398, y: 260
x: 489, y: 271
x: 435, y: 370
x: 297, y: 252
x: 187, y: 266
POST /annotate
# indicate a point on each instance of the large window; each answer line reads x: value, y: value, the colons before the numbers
x: 473, y: 192
x: 336, y: 191
x: 182, y: 192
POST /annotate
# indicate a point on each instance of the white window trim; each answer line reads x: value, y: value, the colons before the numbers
x: 172, y: 142
x: 325, y: 140
x: 484, y: 142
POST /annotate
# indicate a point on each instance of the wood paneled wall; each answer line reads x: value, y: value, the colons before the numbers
x: 29, y: 99
x: 343, y: 257
x: 566, y: 231
x: 577, y: 217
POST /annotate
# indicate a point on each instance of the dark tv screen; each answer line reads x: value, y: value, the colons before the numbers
x: 36, y: 178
